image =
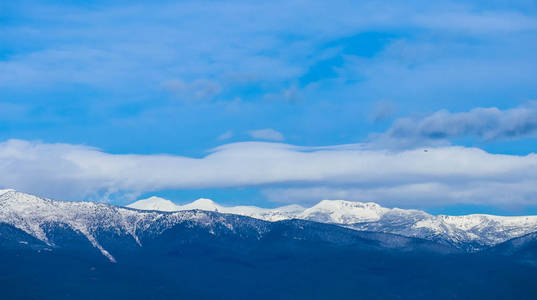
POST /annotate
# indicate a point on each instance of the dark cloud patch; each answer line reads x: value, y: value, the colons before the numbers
x: 487, y: 124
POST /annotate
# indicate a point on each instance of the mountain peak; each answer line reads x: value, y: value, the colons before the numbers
x: 474, y: 231
x: 344, y: 212
x: 347, y: 204
x: 202, y: 204
x: 29, y: 213
x: 204, y: 201
x: 154, y: 203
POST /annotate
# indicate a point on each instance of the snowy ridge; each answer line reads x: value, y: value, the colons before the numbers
x: 486, y: 230
x: 343, y: 212
x: 470, y: 232
x: 154, y: 203
x: 5, y: 191
x: 31, y: 213
x: 276, y: 214
x: 153, y: 216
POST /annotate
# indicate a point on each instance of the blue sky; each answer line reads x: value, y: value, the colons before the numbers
x: 182, y: 78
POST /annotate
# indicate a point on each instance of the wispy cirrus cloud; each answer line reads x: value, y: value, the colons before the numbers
x: 198, y: 89
x: 223, y: 40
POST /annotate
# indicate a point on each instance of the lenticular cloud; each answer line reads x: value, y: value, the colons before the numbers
x: 75, y: 172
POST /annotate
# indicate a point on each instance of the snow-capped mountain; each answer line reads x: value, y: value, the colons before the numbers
x: 181, y: 253
x: 149, y: 218
x: 36, y: 216
x: 113, y: 229
x: 276, y: 214
x: 471, y: 232
x: 155, y: 203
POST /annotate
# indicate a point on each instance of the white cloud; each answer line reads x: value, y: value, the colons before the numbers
x: 484, y: 22
x: 441, y: 176
x: 266, y: 134
x: 223, y: 38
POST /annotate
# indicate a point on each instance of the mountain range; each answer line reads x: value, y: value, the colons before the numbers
x: 154, y: 249
x: 469, y: 232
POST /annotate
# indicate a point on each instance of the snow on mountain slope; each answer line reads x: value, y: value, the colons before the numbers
x: 154, y: 203
x: 326, y: 211
x: 202, y: 204
x: 276, y: 214
x: 343, y: 212
x: 5, y: 191
x: 32, y: 214
x: 471, y: 232
x: 484, y: 230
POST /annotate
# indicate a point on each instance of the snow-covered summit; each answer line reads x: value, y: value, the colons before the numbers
x: 161, y: 204
x: 344, y: 212
x: 484, y: 230
x: 202, y: 204
x: 326, y: 211
x: 472, y: 232
x: 276, y: 214
x: 34, y: 215
x: 154, y: 203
